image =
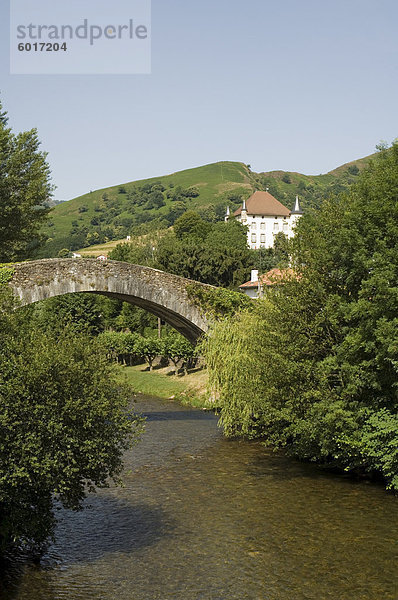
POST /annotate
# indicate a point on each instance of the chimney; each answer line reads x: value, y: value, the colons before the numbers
x: 254, y: 275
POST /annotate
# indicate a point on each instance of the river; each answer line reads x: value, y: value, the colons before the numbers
x: 206, y: 518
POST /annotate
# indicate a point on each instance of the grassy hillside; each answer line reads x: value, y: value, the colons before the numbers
x: 115, y: 212
x: 284, y: 185
x: 139, y: 207
x: 99, y: 249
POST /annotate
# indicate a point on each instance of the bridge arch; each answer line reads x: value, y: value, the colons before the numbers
x: 160, y: 293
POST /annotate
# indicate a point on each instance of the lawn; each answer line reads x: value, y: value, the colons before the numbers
x: 189, y: 389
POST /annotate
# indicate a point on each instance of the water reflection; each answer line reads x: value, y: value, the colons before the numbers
x: 201, y: 517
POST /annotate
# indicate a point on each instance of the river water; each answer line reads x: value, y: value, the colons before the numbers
x: 205, y: 518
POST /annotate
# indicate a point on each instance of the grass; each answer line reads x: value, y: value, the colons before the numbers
x: 189, y: 389
x: 99, y: 249
x: 212, y: 180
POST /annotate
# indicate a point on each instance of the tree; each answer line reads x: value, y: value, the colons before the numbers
x: 281, y: 250
x: 148, y: 348
x: 211, y: 253
x: 353, y: 170
x: 177, y: 348
x: 314, y: 367
x: 81, y: 313
x: 119, y: 346
x: 190, y: 224
x: 155, y: 200
x: 64, y: 426
x: 24, y: 189
x: 64, y: 417
x: 135, y: 319
x: 176, y: 210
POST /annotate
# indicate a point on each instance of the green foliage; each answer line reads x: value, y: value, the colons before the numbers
x: 141, y: 207
x: 63, y: 253
x: 191, y: 225
x: 148, y: 348
x: 139, y: 252
x: 120, y: 346
x: 207, y: 190
x: 81, y: 313
x: 25, y: 189
x: 125, y: 347
x: 213, y: 253
x: 6, y: 273
x: 313, y: 368
x: 265, y: 259
x: 134, y: 319
x: 353, y: 170
x: 64, y: 426
x: 281, y: 251
x: 218, y: 302
x: 64, y: 418
x: 177, y: 348
x: 379, y: 443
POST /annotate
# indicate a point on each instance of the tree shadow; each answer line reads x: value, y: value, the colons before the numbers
x: 107, y: 525
x: 282, y: 467
x: 178, y: 415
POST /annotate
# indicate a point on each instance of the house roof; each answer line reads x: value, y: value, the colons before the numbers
x: 271, y: 278
x: 263, y: 203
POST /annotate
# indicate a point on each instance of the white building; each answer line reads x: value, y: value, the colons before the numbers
x: 265, y: 217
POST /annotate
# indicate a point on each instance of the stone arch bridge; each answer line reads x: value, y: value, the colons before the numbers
x: 160, y: 293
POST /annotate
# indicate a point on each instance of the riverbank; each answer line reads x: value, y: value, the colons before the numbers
x: 189, y: 389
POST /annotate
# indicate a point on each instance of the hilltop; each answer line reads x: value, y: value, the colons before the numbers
x: 139, y: 207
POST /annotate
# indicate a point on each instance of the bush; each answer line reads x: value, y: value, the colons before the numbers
x: 65, y: 434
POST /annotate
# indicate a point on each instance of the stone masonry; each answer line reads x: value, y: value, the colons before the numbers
x: 160, y: 293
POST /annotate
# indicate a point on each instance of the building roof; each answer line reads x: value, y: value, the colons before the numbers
x: 271, y: 278
x: 263, y: 203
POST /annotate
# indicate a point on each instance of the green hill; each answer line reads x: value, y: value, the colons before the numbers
x: 284, y: 185
x: 139, y: 207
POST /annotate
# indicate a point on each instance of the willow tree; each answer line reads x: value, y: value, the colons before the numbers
x: 315, y: 368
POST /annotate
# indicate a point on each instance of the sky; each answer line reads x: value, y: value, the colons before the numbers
x: 299, y: 86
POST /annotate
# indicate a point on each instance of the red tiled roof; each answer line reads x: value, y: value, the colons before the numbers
x: 263, y: 203
x: 271, y: 278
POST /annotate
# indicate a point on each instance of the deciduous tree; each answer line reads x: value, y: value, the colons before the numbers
x: 25, y: 186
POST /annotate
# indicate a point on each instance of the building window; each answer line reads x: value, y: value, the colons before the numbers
x: 262, y: 238
x: 254, y: 238
x: 276, y: 227
x: 285, y: 227
x: 253, y: 226
x: 262, y: 226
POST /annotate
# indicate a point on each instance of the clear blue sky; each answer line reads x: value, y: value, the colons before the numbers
x: 294, y: 85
